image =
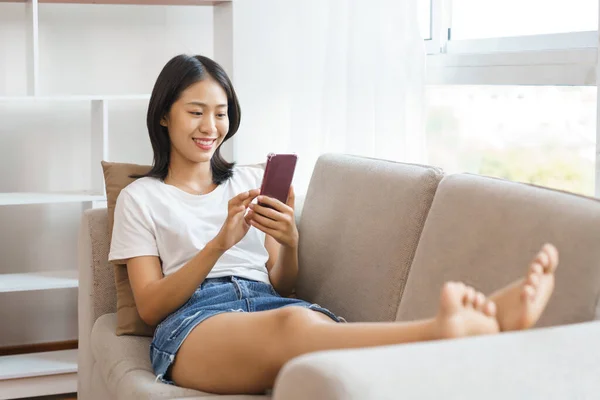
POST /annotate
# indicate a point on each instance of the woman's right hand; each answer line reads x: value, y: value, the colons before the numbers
x: 236, y: 225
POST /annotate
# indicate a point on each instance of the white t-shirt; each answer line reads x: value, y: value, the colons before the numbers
x: 156, y: 219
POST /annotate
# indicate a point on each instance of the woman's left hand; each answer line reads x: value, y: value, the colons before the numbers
x: 279, y: 222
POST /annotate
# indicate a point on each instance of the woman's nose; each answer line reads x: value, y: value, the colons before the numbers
x: 208, y: 124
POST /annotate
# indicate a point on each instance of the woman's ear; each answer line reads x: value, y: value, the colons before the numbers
x: 163, y: 121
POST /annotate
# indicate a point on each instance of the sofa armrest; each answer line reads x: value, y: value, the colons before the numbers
x: 97, y: 295
x: 550, y: 363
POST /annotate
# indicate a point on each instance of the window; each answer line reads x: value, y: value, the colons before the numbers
x: 544, y: 135
x: 476, y: 19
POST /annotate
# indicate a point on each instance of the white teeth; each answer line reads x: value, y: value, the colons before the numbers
x: 206, y: 142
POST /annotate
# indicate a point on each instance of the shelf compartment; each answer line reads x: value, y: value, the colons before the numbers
x: 43, y: 280
x: 36, y: 374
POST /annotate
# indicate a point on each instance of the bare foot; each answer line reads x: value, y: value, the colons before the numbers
x: 520, y: 304
x: 465, y: 312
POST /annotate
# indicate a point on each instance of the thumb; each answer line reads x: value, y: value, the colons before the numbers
x: 240, y: 198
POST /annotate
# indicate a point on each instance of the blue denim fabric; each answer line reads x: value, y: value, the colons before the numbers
x: 215, y: 296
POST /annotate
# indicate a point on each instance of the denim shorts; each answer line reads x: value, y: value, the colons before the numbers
x: 215, y: 296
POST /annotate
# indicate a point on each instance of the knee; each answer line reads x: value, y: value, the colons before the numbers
x: 292, y: 321
x: 292, y: 328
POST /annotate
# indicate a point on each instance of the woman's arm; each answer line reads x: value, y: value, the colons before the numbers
x: 155, y: 296
x: 282, y: 266
x: 281, y: 242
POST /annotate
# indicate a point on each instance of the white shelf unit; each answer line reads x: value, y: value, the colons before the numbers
x: 76, y: 98
x: 38, y: 374
x: 55, y: 372
x: 43, y: 280
x: 13, y: 199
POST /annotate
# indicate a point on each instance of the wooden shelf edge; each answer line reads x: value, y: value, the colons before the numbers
x: 38, y: 348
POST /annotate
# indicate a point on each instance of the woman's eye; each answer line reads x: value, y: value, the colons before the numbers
x: 222, y: 115
x: 196, y: 113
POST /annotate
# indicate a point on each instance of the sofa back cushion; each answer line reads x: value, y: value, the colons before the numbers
x: 486, y: 231
x: 359, y: 230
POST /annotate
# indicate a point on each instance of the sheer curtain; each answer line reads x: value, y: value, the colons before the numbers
x: 316, y: 76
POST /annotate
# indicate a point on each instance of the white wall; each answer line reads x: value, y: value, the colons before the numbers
x: 84, y: 49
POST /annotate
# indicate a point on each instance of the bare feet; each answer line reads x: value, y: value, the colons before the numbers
x: 464, y: 312
x: 520, y: 305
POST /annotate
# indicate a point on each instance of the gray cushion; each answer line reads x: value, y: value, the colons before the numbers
x: 485, y: 232
x: 359, y: 230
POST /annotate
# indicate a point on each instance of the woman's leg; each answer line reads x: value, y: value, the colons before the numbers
x: 243, y: 352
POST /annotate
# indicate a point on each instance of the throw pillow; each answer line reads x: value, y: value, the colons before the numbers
x: 129, y: 322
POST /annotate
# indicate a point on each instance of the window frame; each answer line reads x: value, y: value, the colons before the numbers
x: 550, y: 59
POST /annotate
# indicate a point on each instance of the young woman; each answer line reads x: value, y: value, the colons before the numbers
x: 212, y: 269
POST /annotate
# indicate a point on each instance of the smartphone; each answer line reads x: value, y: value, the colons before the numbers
x: 278, y: 176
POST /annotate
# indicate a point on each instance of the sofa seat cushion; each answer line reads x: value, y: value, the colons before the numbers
x: 124, y: 364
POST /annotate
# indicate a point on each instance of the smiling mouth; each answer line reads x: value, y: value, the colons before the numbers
x: 204, y: 144
x: 204, y: 141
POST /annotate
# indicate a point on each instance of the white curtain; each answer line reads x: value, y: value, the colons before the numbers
x: 316, y: 76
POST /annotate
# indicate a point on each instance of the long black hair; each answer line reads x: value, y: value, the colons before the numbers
x: 177, y: 75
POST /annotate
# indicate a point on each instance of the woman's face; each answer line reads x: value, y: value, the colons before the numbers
x: 198, y: 121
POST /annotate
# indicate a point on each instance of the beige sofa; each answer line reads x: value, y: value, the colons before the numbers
x: 377, y: 240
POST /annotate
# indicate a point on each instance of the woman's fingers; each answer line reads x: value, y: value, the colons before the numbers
x: 244, y: 198
x: 265, y: 211
x: 276, y: 204
x: 252, y: 194
x: 272, y: 232
x: 267, y: 222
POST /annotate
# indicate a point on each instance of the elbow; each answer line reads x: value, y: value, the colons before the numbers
x: 148, y: 316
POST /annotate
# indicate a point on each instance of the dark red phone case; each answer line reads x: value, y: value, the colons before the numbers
x: 278, y: 176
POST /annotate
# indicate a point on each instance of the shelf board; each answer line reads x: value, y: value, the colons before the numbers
x: 38, y: 364
x: 76, y: 97
x: 7, y: 199
x: 42, y: 280
x: 136, y: 2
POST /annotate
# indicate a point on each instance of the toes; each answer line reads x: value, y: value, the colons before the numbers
x: 489, y: 308
x: 552, y: 253
x: 479, y: 301
x: 536, y: 268
x: 528, y: 292
x: 469, y: 296
x: 543, y: 258
x: 452, y: 297
x: 533, y: 280
x: 454, y: 287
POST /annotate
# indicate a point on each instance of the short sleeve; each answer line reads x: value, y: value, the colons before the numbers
x: 133, y: 231
x: 257, y: 172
